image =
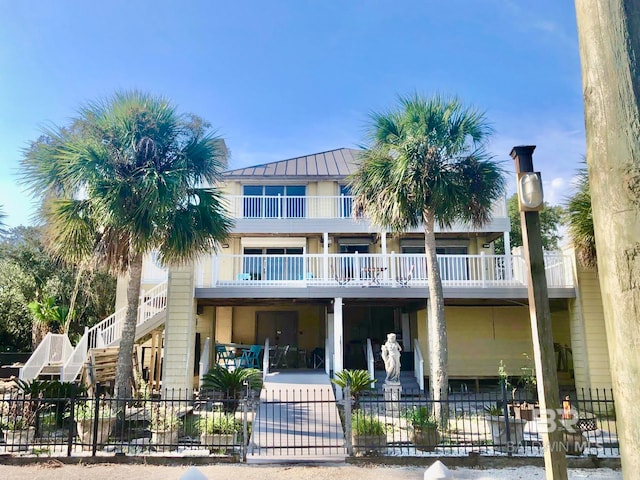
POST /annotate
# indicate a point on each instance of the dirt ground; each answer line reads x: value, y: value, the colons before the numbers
x: 54, y: 470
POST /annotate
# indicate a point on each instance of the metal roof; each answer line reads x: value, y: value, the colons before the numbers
x: 332, y: 164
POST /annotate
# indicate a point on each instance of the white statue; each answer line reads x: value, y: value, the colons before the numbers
x: 391, y: 356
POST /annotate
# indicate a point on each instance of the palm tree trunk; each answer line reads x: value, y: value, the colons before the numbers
x: 72, y: 301
x: 124, y: 368
x: 436, y: 325
x: 609, y: 34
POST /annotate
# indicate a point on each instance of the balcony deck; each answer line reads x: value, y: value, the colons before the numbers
x: 374, y: 275
x: 307, y: 214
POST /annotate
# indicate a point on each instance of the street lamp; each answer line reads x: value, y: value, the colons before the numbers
x: 530, y: 202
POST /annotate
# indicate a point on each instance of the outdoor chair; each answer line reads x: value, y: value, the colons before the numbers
x: 251, y: 358
x: 227, y: 358
x: 280, y: 357
x: 404, y: 280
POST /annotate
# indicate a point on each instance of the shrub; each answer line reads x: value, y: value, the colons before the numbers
x: 216, y: 423
x: 364, y: 424
x: 164, y: 418
x: 420, y: 416
x: 359, y: 381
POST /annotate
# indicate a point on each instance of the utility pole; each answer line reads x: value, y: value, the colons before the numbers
x: 530, y: 202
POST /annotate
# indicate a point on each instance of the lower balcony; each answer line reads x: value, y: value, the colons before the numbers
x: 375, y: 270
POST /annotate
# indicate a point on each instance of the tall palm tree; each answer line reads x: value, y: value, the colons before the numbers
x: 425, y: 164
x: 123, y: 179
x: 580, y: 221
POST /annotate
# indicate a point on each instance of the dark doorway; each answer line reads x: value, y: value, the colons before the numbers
x: 281, y: 328
x: 361, y: 323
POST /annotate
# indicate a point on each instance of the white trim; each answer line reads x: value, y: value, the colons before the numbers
x: 273, y: 242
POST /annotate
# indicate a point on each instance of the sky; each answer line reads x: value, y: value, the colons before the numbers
x: 284, y: 78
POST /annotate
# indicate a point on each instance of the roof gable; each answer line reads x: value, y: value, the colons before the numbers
x: 335, y: 164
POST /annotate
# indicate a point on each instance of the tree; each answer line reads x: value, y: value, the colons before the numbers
x: 426, y: 163
x: 29, y: 274
x: 580, y: 222
x: 124, y: 178
x: 550, y: 218
x: 609, y: 37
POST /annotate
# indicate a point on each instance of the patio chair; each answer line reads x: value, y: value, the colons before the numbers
x: 227, y: 358
x: 251, y: 358
x: 280, y: 357
x: 404, y: 280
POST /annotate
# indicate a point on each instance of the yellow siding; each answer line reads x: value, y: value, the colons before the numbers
x: 589, y: 338
x: 179, y: 330
x: 310, y: 324
x: 479, y: 337
x: 223, y: 324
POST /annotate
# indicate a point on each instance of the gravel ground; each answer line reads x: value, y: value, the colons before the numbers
x: 55, y: 470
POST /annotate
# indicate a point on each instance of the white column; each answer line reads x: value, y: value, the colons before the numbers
x: 507, y: 251
x: 337, y: 339
x: 328, y: 342
x: 325, y: 258
x: 383, y: 245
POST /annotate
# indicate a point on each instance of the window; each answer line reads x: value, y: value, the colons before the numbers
x: 346, y: 201
x: 274, y: 263
x: 274, y: 201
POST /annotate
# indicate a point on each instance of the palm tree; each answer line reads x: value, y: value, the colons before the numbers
x: 580, y: 221
x: 3, y: 217
x: 124, y: 179
x: 425, y: 163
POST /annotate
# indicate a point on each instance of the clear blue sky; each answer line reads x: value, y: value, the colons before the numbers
x: 283, y: 78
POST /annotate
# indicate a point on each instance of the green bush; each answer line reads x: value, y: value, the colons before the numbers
x: 218, y: 423
x: 359, y: 381
x: 420, y: 416
x: 364, y: 424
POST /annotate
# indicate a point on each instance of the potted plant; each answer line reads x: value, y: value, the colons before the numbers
x: 368, y: 434
x: 231, y: 385
x: 424, y: 428
x: 499, y: 425
x: 165, y: 426
x: 18, y: 422
x: 84, y: 414
x: 219, y: 429
x: 359, y: 381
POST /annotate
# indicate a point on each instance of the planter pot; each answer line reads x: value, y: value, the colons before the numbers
x: 165, y: 440
x: 85, y: 431
x: 498, y: 428
x: 425, y: 438
x: 369, y: 444
x: 219, y: 441
x: 526, y: 411
x: 19, y: 440
x: 573, y: 443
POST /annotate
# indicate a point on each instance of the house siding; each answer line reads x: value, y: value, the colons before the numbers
x: 589, y: 337
x: 480, y: 337
x: 179, y: 338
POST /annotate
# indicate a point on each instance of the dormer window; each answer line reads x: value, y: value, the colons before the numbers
x: 274, y: 201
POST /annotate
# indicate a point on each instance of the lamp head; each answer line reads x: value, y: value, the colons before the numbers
x: 530, y: 195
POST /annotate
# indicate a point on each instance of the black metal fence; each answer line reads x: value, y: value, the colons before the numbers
x: 296, y: 423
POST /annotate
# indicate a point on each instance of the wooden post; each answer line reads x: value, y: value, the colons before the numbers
x: 541, y: 329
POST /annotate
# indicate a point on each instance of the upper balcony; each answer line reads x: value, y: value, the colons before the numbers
x: 317, y: 214
x: 390, y: 275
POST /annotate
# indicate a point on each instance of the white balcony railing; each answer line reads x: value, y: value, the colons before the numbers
x: 292, y: 207
x: 391, y: 270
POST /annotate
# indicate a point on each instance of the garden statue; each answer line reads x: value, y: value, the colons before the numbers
x: 391, y: 356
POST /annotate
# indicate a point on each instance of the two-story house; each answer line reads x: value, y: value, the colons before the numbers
x: 299, y: 270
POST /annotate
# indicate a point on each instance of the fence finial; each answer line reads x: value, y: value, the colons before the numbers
x: 438, y: 471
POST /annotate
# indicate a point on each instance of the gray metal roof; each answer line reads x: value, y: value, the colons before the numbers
x: 332, y: 164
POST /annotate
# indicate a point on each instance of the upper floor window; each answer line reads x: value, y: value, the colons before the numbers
x: 346, y: 201
x: 274, y: 201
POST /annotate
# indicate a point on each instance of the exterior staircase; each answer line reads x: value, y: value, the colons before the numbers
x: 55, y: 357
